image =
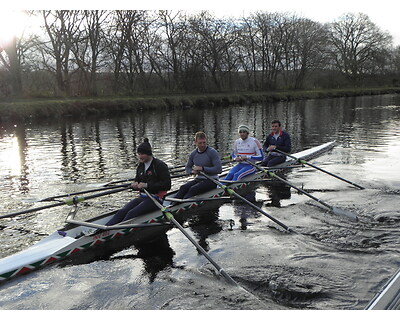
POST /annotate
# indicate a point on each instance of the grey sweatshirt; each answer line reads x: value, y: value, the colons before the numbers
x: 209, y: 160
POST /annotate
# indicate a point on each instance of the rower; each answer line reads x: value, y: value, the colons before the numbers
x: 206, y: 159
x: 277, y: 140
x: 245, y: 147
x: 153, y: 175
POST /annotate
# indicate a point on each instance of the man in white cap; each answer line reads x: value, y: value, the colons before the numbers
x: 245, y: 147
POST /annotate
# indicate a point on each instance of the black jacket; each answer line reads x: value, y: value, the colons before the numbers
x: 157, y: 176
x: 283, y: 142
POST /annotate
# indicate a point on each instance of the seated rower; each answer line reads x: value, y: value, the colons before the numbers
x: 153, y: 175
x: 277, y: 140
x: 205, y: 159
x: 244, y: 148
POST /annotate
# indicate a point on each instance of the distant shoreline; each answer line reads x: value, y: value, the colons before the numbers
x: 24, y: 109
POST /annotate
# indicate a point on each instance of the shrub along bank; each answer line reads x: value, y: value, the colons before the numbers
x: 59, y: 108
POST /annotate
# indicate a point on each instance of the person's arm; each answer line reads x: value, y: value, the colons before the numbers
x: 259, y: 154
x: 216, y: 165
x: 163, y: 182
x: 234, y: 151
x: 287, y: 144
x: 190, y: 163
x: 266, y: 144
x: 136, y: 180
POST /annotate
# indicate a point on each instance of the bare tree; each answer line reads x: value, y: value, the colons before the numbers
x: 356, y: 43
x: 270, y: 29
x: 88, y: 47
x: 216, y: 38
x: 396, y: 60
x: 61, y: 27
x: 176, y: 51
x: 173, y: 30
x: 247, y: 52
x: 127, y: 48
x: 303, y: 50
x: 11, y: 61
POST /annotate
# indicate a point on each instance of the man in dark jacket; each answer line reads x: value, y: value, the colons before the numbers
x: 276, y: 140
x: 153, y: 175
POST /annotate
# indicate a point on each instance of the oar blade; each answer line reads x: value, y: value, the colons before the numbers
x: 344, y: 213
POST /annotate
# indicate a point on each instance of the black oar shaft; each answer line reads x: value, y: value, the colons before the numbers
x: 274, y: 175
x: 86, y: 191
x: 320, y: 169
x: 331, y: 208
x: 13, y: 214
x: 69, y: 201
x: 301, y: 190
x: 203, y: 252
x: 233, y: 193
x: 332, y: 174
x: 171, y: 218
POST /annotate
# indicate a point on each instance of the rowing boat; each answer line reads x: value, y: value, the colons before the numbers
x: 388, y: 298
x: 77, y: 236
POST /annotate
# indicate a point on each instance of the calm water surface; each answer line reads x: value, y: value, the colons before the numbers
x: 332, y: 263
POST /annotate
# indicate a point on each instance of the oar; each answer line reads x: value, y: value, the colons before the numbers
x: 85, y: 191
x: 235, y: 194
x: 70, y: 201
x: 102, y: 188
x: 337, y: 211
x: 172, y: 170
x: 197, y: 199
x: 171, y: 218
x: 183, y: 167
x: 320, y: 169
x: 125, y: 180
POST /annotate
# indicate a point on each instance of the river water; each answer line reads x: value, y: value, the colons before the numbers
x: 331, y: 263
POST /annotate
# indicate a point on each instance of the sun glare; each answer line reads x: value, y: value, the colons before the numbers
x: 12, y: 23
x: 10, y: 158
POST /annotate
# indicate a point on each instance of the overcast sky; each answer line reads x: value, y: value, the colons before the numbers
x: 384, y: 13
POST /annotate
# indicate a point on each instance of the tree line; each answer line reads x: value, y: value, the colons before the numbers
x: 132, y: 52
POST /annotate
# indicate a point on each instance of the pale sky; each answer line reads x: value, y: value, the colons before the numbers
x: 384, y: 13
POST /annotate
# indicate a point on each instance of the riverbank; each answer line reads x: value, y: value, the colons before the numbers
x: 25, y: 109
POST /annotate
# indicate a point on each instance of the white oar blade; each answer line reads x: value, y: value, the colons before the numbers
x: 345, y: 213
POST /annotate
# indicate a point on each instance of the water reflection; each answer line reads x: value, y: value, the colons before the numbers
x: 156, y: 256
x: 13, y: 160
x: 204, y: 224
x: 278, y: 193
x: 95, y: 149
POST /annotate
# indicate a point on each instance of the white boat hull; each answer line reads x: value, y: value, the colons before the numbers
x: 389, y: 297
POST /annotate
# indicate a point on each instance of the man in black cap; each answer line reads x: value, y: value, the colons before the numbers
x: 153, y: 175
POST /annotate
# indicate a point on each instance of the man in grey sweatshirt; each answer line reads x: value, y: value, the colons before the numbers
x: 205, y: 159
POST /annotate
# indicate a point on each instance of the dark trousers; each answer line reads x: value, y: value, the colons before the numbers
x: 132, y: 209
x: 194, y: 187
x: 273, y: 160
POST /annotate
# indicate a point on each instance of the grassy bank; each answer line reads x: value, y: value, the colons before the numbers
x: 58, y: 108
